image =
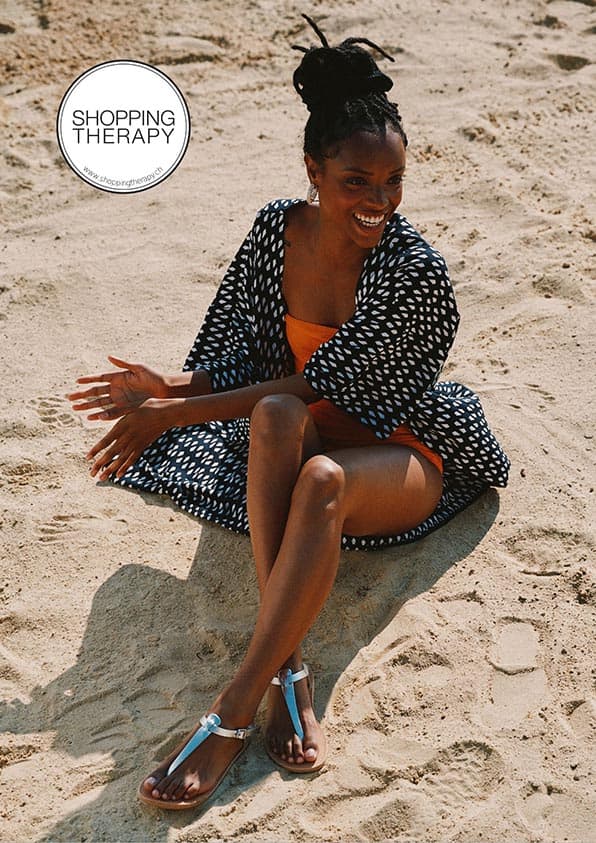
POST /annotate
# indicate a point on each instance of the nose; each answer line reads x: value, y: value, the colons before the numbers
x: 377, y: 197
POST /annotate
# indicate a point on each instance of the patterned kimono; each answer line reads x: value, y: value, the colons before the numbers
x: 382, y: 366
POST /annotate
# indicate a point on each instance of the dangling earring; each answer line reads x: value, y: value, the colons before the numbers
x: 312, y: 194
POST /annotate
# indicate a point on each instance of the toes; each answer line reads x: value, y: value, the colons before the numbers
x: 288, y: 750
x: 149, y: 784
x: 310, y: 754
x: 173, y: 787
x: 192, y: 790
x: 297, y: 750
x: 153, y: 781
x: 181, y: 790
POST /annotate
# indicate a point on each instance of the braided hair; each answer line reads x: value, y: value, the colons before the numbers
x: 345, y: 92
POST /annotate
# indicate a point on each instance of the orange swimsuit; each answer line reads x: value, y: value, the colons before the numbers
x: 337, y: 428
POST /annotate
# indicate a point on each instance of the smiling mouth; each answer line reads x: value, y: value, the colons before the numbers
x: 369, y: 222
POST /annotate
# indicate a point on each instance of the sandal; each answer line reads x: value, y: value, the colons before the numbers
x: 286, y: 679
x: 210, y: 725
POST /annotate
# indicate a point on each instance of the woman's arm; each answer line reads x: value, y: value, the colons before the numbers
x: 235, y: 403
x: 135, y: 431
x: 131, y: 385
x: 188, y: 384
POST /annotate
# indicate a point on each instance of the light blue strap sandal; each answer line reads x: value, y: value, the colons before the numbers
x: 286, y: 680
x: 210, y: 725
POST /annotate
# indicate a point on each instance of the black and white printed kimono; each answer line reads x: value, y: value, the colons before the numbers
x: 381, y: 366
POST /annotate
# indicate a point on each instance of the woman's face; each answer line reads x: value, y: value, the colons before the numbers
x: 361, y: 186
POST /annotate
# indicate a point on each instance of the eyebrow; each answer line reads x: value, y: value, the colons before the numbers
x: 368, y: 172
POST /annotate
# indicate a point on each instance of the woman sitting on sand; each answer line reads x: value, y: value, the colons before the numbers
x: 328, y: 333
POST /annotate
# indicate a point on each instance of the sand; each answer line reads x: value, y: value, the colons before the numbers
x: 453, y: 675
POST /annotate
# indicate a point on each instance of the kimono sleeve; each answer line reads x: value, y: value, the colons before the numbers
x: 383, y: 359
x: 224, y: 346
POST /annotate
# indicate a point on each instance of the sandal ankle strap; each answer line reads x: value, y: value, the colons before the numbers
x: 214, y: 727
x: 292, y: 677
x: 210, y: 725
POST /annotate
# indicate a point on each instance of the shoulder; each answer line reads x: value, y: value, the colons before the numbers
x: 274, y: 212
x: 409, y: 264
x: 266, y: 233
x: 405, y: 247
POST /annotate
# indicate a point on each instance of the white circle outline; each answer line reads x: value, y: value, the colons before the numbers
x: 75, y: 84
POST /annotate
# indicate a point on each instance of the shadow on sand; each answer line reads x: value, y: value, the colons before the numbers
x: 120, y: 708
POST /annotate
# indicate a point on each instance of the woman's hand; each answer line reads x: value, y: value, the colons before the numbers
x: 118, y: 393
x: 130, y: 436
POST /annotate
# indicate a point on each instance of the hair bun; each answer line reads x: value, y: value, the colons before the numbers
x: 330, y: 75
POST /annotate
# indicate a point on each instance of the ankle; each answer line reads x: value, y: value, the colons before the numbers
x: 235, y: 708
x: 295, y: 663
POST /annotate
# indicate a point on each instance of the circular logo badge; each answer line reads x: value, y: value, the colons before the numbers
x: 123, y: 126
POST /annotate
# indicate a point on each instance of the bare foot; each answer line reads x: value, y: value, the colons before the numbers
x: 201, y: 770
x: 279, y: 734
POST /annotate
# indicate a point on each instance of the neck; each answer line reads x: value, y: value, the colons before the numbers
x: 332, y: 250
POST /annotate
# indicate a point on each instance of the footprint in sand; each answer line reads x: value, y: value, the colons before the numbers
x: 23, y: 290
x: 53, y: 412
x: 542, y: 392
x: 61, y: 527
x: 16, y: 748
x: 535, y: 805
x: 548, y: 551
x: 582, y: 717
x: 519, y: 686
x: 28, y: 474
x: 425, y: 794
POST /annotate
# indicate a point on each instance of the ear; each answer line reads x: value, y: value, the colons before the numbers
x: 313, y: 170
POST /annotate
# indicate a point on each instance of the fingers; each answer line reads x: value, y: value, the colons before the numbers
x: 102, y: 391
x: 102, y: 464
x: 109, y: 415
x: 105, y: 377
x: 111, y: 436
x: 104, y: 401
x: 126, y: 464
x: 122, y: 364
x: 118, y: 465
x: 109, y: 410
x: 108, y: 377
x: 120, y: 450
x: 113, y: 459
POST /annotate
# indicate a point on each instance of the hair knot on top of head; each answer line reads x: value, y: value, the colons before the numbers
x: 327, y: 74
x: 344, y: 91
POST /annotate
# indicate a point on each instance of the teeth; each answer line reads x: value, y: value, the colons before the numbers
x: 371, y: 221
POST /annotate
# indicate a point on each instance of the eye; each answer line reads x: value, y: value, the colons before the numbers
x: 396, y: 180
x: 355, y: 180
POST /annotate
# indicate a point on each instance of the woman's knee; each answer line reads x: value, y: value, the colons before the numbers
x: 321, y: 483
x: 275, y: 414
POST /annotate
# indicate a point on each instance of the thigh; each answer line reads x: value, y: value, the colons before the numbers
x: 388, y: 489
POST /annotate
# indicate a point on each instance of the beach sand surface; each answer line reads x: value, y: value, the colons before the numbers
x: 453, y: 675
